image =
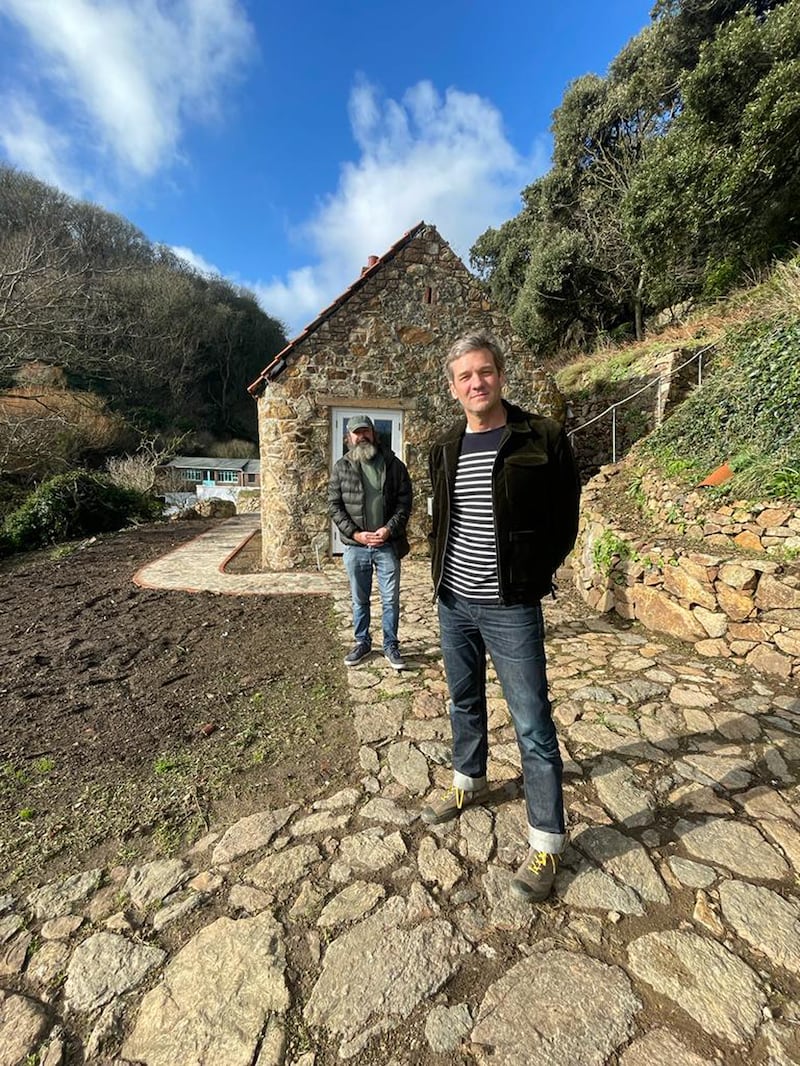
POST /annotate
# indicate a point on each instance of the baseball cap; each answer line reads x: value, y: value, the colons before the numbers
x: 359, y: 422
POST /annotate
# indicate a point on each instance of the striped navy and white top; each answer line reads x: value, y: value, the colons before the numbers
x: 470, y: 562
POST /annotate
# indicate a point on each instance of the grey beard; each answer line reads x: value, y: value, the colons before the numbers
x: 364, y: 452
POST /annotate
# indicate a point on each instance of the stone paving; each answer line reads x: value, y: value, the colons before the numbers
x: 199, y: 566
x: 344, y: 929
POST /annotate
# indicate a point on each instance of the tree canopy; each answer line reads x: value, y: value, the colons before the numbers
x: 83, y: 290
x: 672, y: 176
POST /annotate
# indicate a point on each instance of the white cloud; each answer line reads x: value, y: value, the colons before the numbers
x: 34, y: 145
x: 298, y: 299
x: 195, y: 260
x: 128, y: 72
x: 445, y: 159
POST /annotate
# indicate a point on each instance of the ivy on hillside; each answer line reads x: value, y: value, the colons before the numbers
x: 746, y: 414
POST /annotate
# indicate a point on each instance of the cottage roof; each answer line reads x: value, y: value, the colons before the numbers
x: 279, y: 362
x: 205, y: 462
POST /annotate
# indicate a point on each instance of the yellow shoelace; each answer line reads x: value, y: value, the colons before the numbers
x: 539, y: 861
x: 457, y: 792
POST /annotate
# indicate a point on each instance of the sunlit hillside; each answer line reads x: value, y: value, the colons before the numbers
x: 745, y: 413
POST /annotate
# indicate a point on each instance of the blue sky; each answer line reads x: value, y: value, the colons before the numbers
x: 281, y: 144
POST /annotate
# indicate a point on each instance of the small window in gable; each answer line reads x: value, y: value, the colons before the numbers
x: 428, y: 294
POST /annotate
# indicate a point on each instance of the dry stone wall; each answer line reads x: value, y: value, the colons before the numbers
x: 594, y: 445
x: 382, y: 348
x: 729, y: 604
x: 761, y: 527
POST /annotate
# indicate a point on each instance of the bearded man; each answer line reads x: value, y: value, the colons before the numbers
x: 369, y: 500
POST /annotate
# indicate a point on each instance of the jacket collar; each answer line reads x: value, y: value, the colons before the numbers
x: 516, y: 420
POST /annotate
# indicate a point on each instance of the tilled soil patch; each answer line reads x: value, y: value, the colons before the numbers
x: 132, y: 718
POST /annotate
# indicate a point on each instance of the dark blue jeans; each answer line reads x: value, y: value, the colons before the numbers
x: 359, y: 563
x: 514, y: 637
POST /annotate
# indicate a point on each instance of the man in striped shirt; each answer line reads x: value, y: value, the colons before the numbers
x: 505, y: 516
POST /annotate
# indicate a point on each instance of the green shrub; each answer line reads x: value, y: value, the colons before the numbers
x: 635, y: 490
x: 608, y: 549
x: 12, y: 494
x: 721, y: 277
x: 75, y: 504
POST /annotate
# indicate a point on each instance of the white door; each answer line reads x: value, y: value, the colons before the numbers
x: 389, y: 427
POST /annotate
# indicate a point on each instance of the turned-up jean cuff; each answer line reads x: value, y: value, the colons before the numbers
x: 469, y: 784
x: 550, y: 843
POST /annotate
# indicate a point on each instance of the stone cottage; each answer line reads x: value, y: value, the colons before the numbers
x: 378, y: 348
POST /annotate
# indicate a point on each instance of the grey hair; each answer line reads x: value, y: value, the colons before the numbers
x: 479, y: 341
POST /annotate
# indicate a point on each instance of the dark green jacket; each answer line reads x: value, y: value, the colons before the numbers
x: 346, y: 498
x: 535, y: 492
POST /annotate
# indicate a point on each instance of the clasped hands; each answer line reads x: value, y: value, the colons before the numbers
x: 372, y: 539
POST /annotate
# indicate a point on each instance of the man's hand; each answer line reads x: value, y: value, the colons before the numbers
x: 372, y: 540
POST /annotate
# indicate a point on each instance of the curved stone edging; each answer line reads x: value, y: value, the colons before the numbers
x: 195, y: 566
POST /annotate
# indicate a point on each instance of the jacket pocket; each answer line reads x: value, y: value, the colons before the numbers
x: 524, y: 473
x: 529, y: 560
x: 527, y: 458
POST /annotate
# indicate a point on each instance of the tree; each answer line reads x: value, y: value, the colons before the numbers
x: 45, y: 304
x: 566, y: 268
x: 638, y: 187
x: 718, y: 196
x: 84, y: 290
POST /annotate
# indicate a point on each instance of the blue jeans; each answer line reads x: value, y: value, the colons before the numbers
x: 359, y: 563
x: 514, y: 637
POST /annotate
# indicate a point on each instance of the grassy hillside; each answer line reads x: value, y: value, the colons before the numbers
x: 746, y: 412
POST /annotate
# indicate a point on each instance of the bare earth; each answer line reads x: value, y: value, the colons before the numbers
x: 132, y: 717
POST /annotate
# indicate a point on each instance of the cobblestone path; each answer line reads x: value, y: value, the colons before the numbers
x: 344, y: 929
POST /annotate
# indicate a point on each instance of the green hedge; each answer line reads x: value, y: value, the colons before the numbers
x: 72, y: 505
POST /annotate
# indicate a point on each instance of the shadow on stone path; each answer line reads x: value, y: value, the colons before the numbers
x: 345, y: 929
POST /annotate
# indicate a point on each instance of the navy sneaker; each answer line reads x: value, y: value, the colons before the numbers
x: 394, y: 658
x: 356, y: 654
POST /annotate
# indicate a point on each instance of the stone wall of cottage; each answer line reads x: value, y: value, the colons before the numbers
x: 383, y: 348
x: 732, y: 603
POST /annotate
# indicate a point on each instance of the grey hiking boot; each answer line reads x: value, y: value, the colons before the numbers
x: 533, y: 881
x: 451, y: 804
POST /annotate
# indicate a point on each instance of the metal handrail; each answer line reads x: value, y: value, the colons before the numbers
x: 656, y: 381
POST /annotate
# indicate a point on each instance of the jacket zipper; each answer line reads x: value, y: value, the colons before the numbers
x: 503, y: 440
x: 447, y: 526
